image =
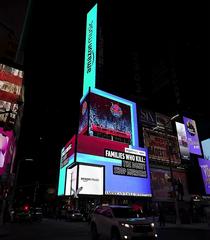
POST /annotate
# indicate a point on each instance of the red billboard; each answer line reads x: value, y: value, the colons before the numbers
x: 157, y: 145
x: 11, y: 80
x: 67, y: 151
x: 110, y: 119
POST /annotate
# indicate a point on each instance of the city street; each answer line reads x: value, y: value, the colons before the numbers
x: 61, y: 230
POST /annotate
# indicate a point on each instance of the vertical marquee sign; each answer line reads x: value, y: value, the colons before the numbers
x: 90, y: 50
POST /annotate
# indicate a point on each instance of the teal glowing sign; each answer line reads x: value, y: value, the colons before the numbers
x: 90, y: 50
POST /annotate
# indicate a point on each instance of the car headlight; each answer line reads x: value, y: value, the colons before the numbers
x: 73, y: 215
x: 126, y: 225
x: 152, y: 225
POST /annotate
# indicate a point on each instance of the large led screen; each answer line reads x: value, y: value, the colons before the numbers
x: 182, y: 139
x: 110, y: 119
x: 122, y: 165
x: 192, y: 136
x: 62, y: 176
x: 67, y: 151
x: 120, y: 123
x: 10, y: 83
x: 205, y: 170
x: 90, y: 50
x: 91, y: 180
x: 67, y: 158
x: 206, y: 148
x: 8, y: 112
x: 6, y: 148
x: 162, y: 186
x: 157, y: 144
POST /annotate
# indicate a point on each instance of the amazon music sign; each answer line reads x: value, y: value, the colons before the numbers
x: 90, y: 50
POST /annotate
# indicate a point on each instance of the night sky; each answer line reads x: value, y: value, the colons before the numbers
x: 161, y: 35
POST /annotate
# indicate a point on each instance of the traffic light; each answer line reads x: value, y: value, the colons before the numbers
x: 26, y: 208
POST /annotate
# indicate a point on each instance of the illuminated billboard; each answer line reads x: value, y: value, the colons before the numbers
x: 122, y: 163
x: 67, y: 158
x: 157, y: 144
x: 71, y: 181
x: 182, y: 139
x: 205, y: 170
x: 206, y: 148
x: 90, y: 50
x: 8, y: 111
x: 91, y: 180
x: 7, y: 144
x: 192, y: 136
x: 113, y: 118
x: 10, y: 83
x: 62, y: 176
x: 162, y: 187
x: 147, y: 118
x: 110, y: 119
x: 67, y: 151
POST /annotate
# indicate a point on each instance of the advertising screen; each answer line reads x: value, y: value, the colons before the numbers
x: 110, y: 119
x: 91, y: 180
x: 6, y: 148
x: 133, y: 162
x: 147, y: 118
x: 133, y: 171
x: 156, y: 143
x: 192, y: 136
x: 83, y: 119
x: 206, y: 148
x: 67, y: 151
x: 162, y: 187
x: 90, y: 50
x: 62, y: 176
x: 163, y: 121
x: 10, y: 83
x: 71, y: 181
x: 8, y: 110
x: 182, y: 139
x: 205, y: 170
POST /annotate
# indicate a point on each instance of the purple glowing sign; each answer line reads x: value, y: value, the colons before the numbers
x: 6, y: 139
x: 182, y: 139
x: 192, y: 136
x: 205, y: 170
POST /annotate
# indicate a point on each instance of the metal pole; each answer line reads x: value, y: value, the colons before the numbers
x: 172, y: 176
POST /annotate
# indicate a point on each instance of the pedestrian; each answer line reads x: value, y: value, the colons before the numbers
x: 162, y: 217
x: 57, y: 213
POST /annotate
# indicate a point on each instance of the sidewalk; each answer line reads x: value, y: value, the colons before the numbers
x: 3, y: 231
x: 193, y: 226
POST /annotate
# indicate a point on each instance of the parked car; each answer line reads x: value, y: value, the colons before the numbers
x: 121, y: 222
x: 22, y: 214
x: 74, y: 215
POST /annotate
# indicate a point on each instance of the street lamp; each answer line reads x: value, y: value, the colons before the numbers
x: 168, y: 149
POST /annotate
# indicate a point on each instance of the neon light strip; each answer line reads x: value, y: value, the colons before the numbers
x: 83, y: 97
x: 62, y: 177
x: 135, y: 138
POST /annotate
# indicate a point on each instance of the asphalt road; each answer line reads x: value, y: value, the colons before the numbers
x: 61, y: 230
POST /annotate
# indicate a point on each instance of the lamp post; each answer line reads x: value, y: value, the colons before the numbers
x: 168, y: 149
